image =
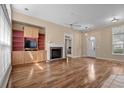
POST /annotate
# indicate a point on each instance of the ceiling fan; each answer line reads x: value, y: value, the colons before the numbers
x: 75, y: 25
x: 79, y: 27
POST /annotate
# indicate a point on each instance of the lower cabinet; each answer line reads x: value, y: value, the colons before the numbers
x: 23, y: 57
x: 31, y: 56
x: 41, y: 55
x: 17, y: 57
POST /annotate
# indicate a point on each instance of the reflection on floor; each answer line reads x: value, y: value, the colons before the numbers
x: 77, y: 72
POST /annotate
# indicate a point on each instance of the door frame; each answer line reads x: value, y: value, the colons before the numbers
x: 70, y: 35
x: 88, y: 50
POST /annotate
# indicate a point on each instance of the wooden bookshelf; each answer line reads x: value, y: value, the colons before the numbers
x: 23, y: 55
x: 18, y: 40
x: 41, y: 42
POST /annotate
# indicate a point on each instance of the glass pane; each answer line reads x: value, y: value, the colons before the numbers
x: 1, y: 61
x: 2, y: 27
x: 5, y: 31
x: 118, y: 50
x: 118, y: 30
x: 118, y: 39
x: 118, y: 46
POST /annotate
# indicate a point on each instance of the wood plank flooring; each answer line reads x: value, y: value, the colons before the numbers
x: 114, y: 81
x: 77, y: 73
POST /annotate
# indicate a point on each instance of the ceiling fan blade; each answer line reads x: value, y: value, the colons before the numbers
x: 77, y: 25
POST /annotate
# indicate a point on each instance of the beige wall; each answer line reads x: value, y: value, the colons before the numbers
x: 54, y: 33
x: 77, y: 44
x: 103, y: 43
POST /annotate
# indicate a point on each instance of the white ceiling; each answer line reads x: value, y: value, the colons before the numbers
x: 93, y: 16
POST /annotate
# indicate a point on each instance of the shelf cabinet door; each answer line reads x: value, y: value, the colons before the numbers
x: 17, y: 57
x: 34, y: 55
x: 42, y: 55
x: 45, y: 55
x: 35, y: 32
x: 31, y: 32
x: 28, y: 57
x: 27, y: 31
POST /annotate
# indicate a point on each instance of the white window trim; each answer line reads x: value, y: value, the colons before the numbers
x: 113, y: 29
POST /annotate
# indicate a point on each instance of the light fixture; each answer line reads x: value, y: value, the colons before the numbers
x: 86, y: 27
x: 26, y: 9
x: 114, y: 20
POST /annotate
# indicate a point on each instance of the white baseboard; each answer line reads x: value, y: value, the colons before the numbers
x: 84, y: 56
x: 76, y: 56
x: 5, y: 78
x: 110, y: 59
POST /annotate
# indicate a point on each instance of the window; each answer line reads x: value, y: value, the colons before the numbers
x: 5, y: 43
x: 118, y: 40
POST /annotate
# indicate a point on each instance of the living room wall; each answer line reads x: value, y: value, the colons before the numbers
x: 54, y: 32
x: 103, y: 43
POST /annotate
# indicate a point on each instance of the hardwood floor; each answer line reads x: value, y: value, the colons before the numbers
x: 114, y: 81
x: 77, y: 73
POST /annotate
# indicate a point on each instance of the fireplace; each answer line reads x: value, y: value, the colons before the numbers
x: 55, y: 52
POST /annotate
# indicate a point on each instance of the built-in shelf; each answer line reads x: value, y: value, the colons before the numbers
x: 41, y: 41
x: 18, y: 40
x: 28, y: 44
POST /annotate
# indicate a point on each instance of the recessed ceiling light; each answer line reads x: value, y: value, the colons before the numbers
x: 26, y: 9
x: 114, y: 20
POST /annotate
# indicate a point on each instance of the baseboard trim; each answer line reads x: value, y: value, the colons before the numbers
x: 109, y: 59
x: 76, y: 56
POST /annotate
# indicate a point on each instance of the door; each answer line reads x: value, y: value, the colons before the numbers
x: 91, y: 47
x: 65, y: 47
x: 68, y: 46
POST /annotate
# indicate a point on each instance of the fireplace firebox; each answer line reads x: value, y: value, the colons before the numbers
x: 55, y: 52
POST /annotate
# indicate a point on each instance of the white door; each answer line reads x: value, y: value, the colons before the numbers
x: 91, y: 47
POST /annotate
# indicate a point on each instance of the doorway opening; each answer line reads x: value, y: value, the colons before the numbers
x: 68, y: 46
x: 91, y: 47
